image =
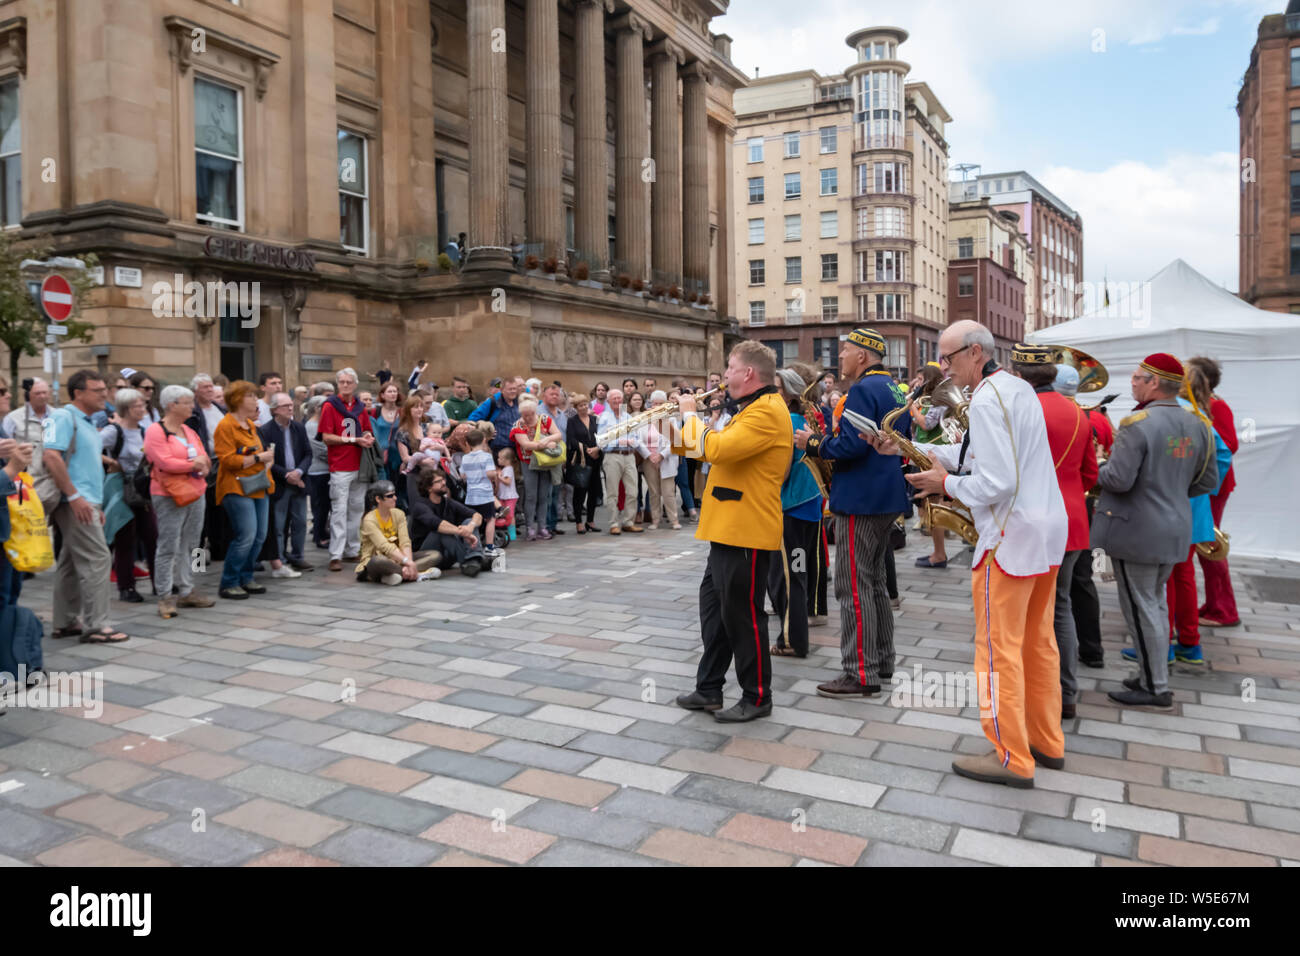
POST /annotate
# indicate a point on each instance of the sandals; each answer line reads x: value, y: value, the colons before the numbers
x: 72, y: 630
x: 779, y: 650
x: 104, y: 635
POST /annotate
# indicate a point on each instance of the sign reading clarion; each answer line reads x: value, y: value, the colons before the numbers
x: 259, y: 253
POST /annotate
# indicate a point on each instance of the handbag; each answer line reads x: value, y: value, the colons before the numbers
x: 252, y: 484
x: 578, y: 475
x: 43, y: 482
x: 547, y: 459
x: 178, y: 488
x: 29, y: 547
x: 135, y: 486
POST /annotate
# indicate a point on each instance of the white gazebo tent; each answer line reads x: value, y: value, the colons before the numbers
x: 1181, y: 312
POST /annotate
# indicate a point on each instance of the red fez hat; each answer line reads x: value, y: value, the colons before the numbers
x: 1163, y: 365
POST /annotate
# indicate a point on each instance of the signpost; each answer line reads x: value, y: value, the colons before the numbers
x: 56, y: 297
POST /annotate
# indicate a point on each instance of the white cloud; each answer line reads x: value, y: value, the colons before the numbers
x: 1138, y: 218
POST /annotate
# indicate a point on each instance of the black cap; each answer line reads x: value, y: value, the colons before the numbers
x: 495, y: 383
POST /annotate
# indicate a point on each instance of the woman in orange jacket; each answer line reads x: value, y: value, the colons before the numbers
x: 243, y: 488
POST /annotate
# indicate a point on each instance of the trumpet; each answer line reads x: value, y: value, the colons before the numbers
x: 955, y: 517
x: 1216, y: 550
x: 641, y: 419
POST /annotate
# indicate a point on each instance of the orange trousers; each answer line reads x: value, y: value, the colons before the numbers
x: 1017, y: 664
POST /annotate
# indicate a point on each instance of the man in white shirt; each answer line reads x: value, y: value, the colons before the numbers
x: 268, y: 383
x: 1015, y: 499
x: 618, y: 463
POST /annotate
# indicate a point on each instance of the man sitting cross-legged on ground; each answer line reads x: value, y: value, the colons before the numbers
x: 440, y: 523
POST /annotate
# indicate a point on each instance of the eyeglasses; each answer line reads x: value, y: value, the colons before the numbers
x: 146, y: 388
x: 391, y: 494
x: 947, y: 359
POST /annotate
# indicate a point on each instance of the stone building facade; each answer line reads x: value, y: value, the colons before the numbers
x: 990, y: 272
x: 314, y: 158
x: 1268, y: 106
x: 841, y: 205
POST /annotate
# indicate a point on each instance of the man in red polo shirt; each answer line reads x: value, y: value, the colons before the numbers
x: 345, y: 430
x: 1074, y: 454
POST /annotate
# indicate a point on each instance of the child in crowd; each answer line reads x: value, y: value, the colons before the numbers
x: 507, y: 492
x: 432, y: 448
x: 479, y: 472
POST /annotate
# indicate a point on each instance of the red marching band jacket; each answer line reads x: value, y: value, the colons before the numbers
x: 1074, y: 453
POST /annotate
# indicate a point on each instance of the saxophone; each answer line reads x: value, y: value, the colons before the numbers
x: 953, y: 516
x: 820, y: 467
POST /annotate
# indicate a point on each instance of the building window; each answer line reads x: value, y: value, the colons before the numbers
x: 757, y: 271
x: 889, y: 306
x: 755, y: 231
x: 1295, y: 188
x: 793, y: 269
x: 794, y: 308
x: 830, y: 182
x: 791, y: 145
x: 1295, y: 130
x: 1295, y: 255
x: 354, y: 193
x: 793, y: 228
x: 830, y: 224
x: 756, y: 188
x: 889, y: 266
x: 826, y: 353
x: 830, y: 308
x: 829, y: 139
x: 889, y: 221
x: 965, y: 248
x: 11, y: 144
x: 219, y: 155
x: 755, y: 149
x: 861, y: 178
x: 792, y: 190
x: 830, y: 266
x: 896, y: 352
x: 1295, y: 66
x: 889, y: 177
x: 757, y: 313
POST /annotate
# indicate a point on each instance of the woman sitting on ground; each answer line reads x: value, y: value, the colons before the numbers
x: 386, y: 544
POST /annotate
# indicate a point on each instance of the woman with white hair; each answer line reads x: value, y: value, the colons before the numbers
x: 176, y: 488
x: 318, y: 473
x: 123, y: 439
x: 533, y: 432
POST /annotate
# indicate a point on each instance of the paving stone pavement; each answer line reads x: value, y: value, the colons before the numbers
x: 527, y: 717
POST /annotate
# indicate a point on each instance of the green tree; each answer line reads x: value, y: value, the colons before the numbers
x: 22, y: 323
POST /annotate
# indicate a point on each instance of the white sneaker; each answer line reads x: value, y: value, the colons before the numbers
x: 391, y: 579
x: 431, y: 575
x: 499, y: 563
x: 284, y: 571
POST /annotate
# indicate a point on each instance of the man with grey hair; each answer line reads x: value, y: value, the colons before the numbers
x: 26, y: 424
x: 618, y: 462
x: 345, y: 429
x: 289, y: 500
x: 203, y: 421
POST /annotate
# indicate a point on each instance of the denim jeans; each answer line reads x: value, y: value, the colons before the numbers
x: 248, y: 530
x: 291, y: 522
x: 684, y: 486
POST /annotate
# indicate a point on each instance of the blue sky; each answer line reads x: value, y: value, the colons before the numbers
x: 1141, y: 138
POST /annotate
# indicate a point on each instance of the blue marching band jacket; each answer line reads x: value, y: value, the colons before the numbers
x: 864, y: 481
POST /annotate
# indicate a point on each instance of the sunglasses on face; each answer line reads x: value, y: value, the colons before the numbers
x: 391, y: 494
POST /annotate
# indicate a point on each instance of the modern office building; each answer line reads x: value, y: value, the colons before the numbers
x: 1268, y: 105
x: 324, y: 153
x: 840, y: 199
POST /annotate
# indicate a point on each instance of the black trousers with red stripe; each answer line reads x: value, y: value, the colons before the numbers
x: 733, y: 623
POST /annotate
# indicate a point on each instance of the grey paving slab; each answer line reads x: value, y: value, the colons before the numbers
x: 286, y: 786
x: 286, y: 754
x: 592, y: 825
x: 185, y: 794
x: 453, y: 763
x: 380, y: 810
x: 674, y: 811
x: 36, y: 791
x: 625, y: 748
x: 28, y: 833
x: 215, y: 845
x: 366, y: 846
x: 578, y: 853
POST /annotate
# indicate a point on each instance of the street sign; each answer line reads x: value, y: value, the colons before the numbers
x: 56, y: 329
x: 56, y: 297
x: 127, y: 277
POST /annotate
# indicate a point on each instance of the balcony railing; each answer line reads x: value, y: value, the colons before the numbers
x: 863, y: 140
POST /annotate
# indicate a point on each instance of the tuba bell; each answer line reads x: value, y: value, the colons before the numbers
x: 1092, y: 374
x: 1216, y: 550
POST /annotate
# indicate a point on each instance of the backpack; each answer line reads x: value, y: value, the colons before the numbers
x: 20, y: 640
x: 135, y: 489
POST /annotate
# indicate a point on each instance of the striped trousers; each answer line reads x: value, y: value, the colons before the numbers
x: 866, y: 618
x: 818, y: 573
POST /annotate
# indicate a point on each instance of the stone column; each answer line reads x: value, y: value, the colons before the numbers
x: 632, y: 185
x: 545, y: 167
x: 665, y: 148
x: 695, y: 163
x: 590, y: 162
x: 489, y: 140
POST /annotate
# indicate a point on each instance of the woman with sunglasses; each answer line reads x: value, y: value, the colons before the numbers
x: 386, y: 556
x: 144, y: 383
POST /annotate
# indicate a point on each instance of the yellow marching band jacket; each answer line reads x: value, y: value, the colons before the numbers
x: 748, y: 460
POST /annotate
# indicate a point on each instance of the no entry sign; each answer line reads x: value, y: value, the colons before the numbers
x: 56, y: 297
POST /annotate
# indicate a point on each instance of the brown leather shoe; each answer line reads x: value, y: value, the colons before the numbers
x: 634, y: 528
x: 615, y: 529
x: 194, y: 599
x: 352, y: 557
x: 167, y: 607
x: 336, y: 564
x: 989, y: 769
x: 1051, y: 763
x: 846, y: 686
x: 1069, y: 711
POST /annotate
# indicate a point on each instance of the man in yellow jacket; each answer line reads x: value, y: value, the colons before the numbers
x: 741, y: 518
